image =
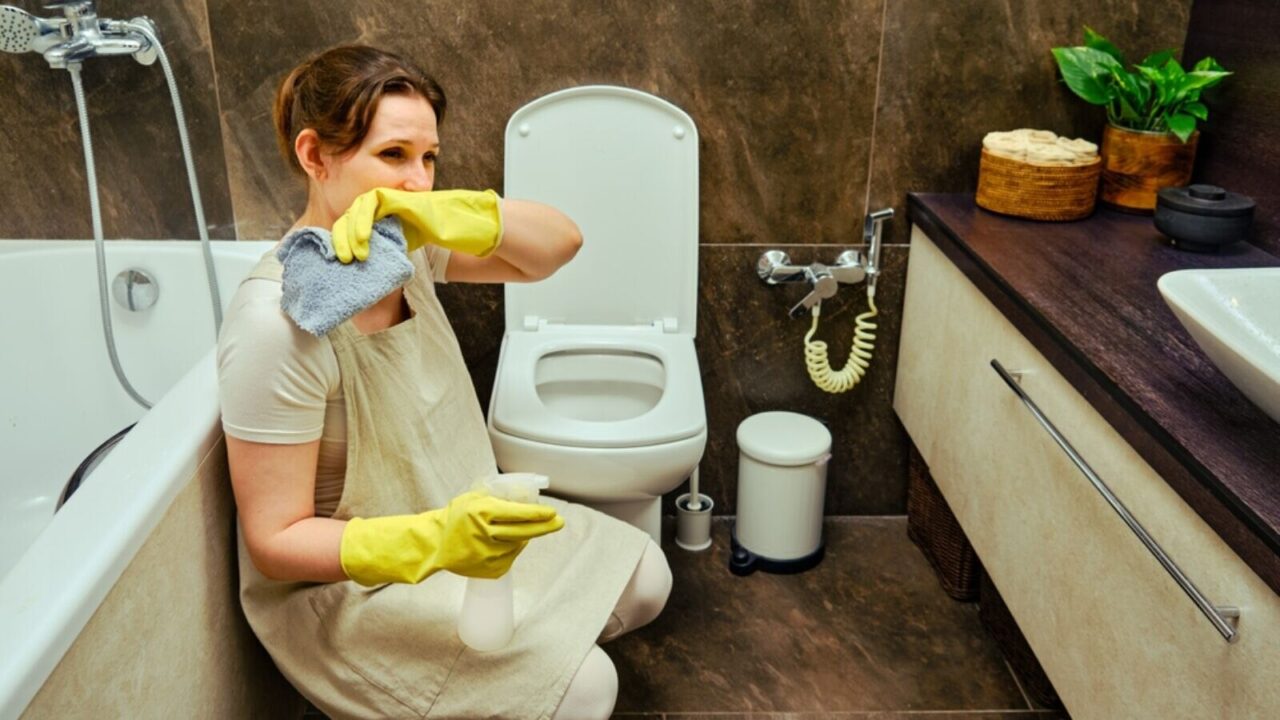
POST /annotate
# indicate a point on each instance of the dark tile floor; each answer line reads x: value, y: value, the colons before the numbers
x: 867, y: 634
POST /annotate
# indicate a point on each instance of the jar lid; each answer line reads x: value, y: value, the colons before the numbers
x: 784, y: 438
x: 1205, y: 200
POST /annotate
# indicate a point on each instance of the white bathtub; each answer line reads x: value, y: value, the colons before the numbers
x: 59, y: 399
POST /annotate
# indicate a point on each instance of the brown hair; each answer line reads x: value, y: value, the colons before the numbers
x: 336, y: 94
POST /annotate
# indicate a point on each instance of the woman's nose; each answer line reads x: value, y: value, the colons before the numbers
x: 418, y: 180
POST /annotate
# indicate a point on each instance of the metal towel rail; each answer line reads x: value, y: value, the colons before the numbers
x: 1222, y: 617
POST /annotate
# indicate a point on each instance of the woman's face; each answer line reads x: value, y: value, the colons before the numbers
x: 398, y: 152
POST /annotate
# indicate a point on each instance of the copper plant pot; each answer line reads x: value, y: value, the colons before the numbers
x: 1136, y: 164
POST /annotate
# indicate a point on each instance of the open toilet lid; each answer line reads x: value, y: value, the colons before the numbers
x: 623, y: 165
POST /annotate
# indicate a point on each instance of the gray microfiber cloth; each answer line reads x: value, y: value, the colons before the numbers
x: 321, y: 293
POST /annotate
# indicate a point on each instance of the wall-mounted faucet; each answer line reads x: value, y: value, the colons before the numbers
x: 774, y: 267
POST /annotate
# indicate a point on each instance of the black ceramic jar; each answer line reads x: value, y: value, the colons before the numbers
x: 1202, y: 218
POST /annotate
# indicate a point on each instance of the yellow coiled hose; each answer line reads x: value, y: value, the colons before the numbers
x: 815, y: 353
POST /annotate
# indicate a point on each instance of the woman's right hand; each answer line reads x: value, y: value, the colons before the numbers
x: 476, y: 535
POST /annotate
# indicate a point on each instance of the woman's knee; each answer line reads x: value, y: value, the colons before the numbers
x: 593, y: 690
x: 643, y: 598
x: 653, y: 582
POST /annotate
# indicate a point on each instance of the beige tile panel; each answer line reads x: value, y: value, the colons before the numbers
x: 169, y: 640
x: 1115, y: 634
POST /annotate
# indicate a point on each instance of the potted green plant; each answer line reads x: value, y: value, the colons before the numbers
x: 1152, y: 110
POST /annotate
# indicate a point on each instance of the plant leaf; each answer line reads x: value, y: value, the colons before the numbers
x: 1150, y: 73
x: 1187, y: 88
x: 1155, y: 60
x: 1085, y: 71
x: 1127, y: 111
x: 1129, y: 92
x: 1093, y: 40
x: 1171, y: 75
x: 1159, y: 84
x: 1143, y: 86
x: 1201, y: 79
x: 1196, y: 109
x: 1181, y: 125
x: 1208, y: 63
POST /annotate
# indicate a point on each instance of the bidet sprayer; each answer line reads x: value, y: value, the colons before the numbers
x: 872, y: 231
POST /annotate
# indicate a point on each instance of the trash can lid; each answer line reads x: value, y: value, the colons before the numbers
x: 783, y: 438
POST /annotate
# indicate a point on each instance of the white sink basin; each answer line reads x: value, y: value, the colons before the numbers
x: 1234, y: 315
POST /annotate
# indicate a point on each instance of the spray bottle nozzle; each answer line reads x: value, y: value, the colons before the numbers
x: 517, y: 487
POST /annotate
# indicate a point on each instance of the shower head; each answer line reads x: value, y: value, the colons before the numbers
x: 20, y: 31
x: 17, y: 30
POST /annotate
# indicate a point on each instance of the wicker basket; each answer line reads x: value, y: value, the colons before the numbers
x: 999, y: 622
x: 933, y: 527
x: 1039, y: 192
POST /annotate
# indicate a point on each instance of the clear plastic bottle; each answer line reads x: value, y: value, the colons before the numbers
x: 487, y: 619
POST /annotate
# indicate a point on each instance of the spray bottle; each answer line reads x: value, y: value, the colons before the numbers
x: 487, y: 620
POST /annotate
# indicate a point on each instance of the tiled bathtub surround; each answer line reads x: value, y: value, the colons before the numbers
x: 809, y: 111
x: 170, y: 634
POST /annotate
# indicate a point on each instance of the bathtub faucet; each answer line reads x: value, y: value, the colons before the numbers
x: 86, y: 36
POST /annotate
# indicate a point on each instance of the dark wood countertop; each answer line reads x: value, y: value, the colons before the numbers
x: 1084, y: 293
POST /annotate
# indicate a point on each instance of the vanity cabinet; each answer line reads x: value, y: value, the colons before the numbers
x: 1115, y: 633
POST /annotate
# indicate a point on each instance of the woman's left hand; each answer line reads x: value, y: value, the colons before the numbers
x: 469, y: 221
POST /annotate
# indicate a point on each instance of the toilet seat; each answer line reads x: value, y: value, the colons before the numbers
x: 518, y: 410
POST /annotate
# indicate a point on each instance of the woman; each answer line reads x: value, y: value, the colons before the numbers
x: 351, y: 454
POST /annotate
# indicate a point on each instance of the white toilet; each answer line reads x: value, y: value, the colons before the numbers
x: 598, y: 384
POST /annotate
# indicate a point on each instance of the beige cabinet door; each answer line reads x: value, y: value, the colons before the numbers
x: 1115, y: 633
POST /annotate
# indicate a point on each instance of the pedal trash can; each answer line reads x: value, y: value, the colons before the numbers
x: 782, y: 481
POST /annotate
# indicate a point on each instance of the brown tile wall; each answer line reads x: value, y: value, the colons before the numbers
x: 953, y: 71
x: 1240, y: 144
x: 799, y: 104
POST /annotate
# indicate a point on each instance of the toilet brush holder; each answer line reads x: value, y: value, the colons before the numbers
x: 693, y: 527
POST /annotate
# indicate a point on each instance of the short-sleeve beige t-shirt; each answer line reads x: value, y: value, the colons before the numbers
x: 279, y: 384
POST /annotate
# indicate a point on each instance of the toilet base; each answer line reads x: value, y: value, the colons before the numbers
x: 644, y: 514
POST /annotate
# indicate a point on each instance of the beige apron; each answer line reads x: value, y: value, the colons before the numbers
x: 416, y: 438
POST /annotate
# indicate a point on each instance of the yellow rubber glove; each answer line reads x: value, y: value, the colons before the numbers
x: 476, y: 535
x: 468, y: 221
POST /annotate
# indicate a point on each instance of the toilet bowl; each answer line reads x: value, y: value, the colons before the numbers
x: 614, y: 418
x: 598, y: 385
